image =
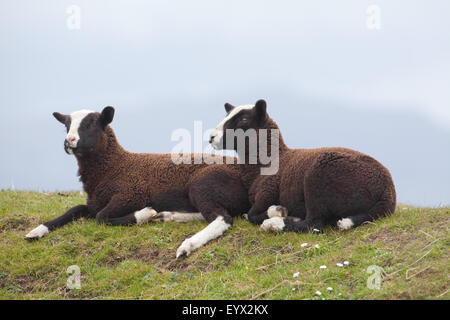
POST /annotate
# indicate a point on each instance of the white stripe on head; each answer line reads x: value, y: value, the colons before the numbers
x: 75, y: 120
x: 217, y: 134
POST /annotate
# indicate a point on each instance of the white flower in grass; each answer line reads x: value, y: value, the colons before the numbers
x: 339, y: 264
x: 318, y: 293
x: 323, y: 267
x: 295, y: 275
x: 293, y: 289
x: 303, y: 245
x: 330, y: 289
x: 317, y: 246
x: 346, y: 263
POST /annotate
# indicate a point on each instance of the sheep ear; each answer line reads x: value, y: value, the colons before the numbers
x: 107, y: 115
x: 228, y: 107
x: 260, y: 107
x: 60, y: 117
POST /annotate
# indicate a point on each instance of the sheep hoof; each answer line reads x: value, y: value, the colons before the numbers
x: 345, y: 224
x: 273, y: 224
x: 185, y: 249
x: 182, y: 254
x: 163, y: 216
x: 37, y: 233
x: 145, y: 215
x: 153, y: 213
x: 277, y: 211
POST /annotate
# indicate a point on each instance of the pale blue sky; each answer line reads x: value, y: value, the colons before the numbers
x: 327, y: 78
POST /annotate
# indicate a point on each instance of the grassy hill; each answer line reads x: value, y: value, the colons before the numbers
x: 411, y: 246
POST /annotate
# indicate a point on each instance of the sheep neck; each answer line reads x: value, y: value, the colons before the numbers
x: 104, y: 159
x: 249, y: 172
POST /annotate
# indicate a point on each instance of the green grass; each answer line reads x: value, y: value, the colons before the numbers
x: 412, y: 246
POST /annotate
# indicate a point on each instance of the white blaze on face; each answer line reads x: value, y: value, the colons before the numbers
x: 217, y: 134
x: 73, y: 135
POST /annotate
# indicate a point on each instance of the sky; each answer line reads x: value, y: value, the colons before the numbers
x: 329, y: 78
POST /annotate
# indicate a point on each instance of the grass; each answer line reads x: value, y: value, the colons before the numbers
x: 412, y: 247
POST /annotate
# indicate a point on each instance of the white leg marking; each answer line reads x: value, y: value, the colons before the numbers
x: 277, y: 211
x: 144, y: 215
x: 273, y: 224
x: 345, y: 224
x: 37, y: 232
x: 180, y: 216
x: 213, y: 230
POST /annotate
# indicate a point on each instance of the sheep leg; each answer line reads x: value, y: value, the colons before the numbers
x: 293, y: 225
x: 218, y: 194
x: 214, y: 230
x: 120, y: 212
x: 274, y: 211
x: 176, y: 216
x: 313, y: 221
x: 381, y: 208
x: 137, y: 217
x: 72, y: 214
x: 266, y: 195
x: 148, y: 214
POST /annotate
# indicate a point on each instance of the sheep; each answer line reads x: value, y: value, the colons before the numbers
x: 313, y: 188
x: 125, y: 188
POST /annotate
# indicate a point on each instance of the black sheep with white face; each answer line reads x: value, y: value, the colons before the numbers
x: 243, y: 117
x: 313, y: 187
x: 85, y: 129
x: 126, y: 188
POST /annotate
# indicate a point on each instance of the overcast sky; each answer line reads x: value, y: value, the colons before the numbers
x: 329, y: 80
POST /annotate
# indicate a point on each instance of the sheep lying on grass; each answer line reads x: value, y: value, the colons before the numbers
x: 315, y: 187
x: 125, y: 188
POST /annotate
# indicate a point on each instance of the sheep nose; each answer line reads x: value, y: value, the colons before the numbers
x: 211, y: 138
x: 70, y: 141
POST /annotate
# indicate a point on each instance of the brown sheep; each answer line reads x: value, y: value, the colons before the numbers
x: 125, y: 188
x: 314, y: 187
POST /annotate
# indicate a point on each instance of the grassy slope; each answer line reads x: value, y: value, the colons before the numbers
x: 138, y: 262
